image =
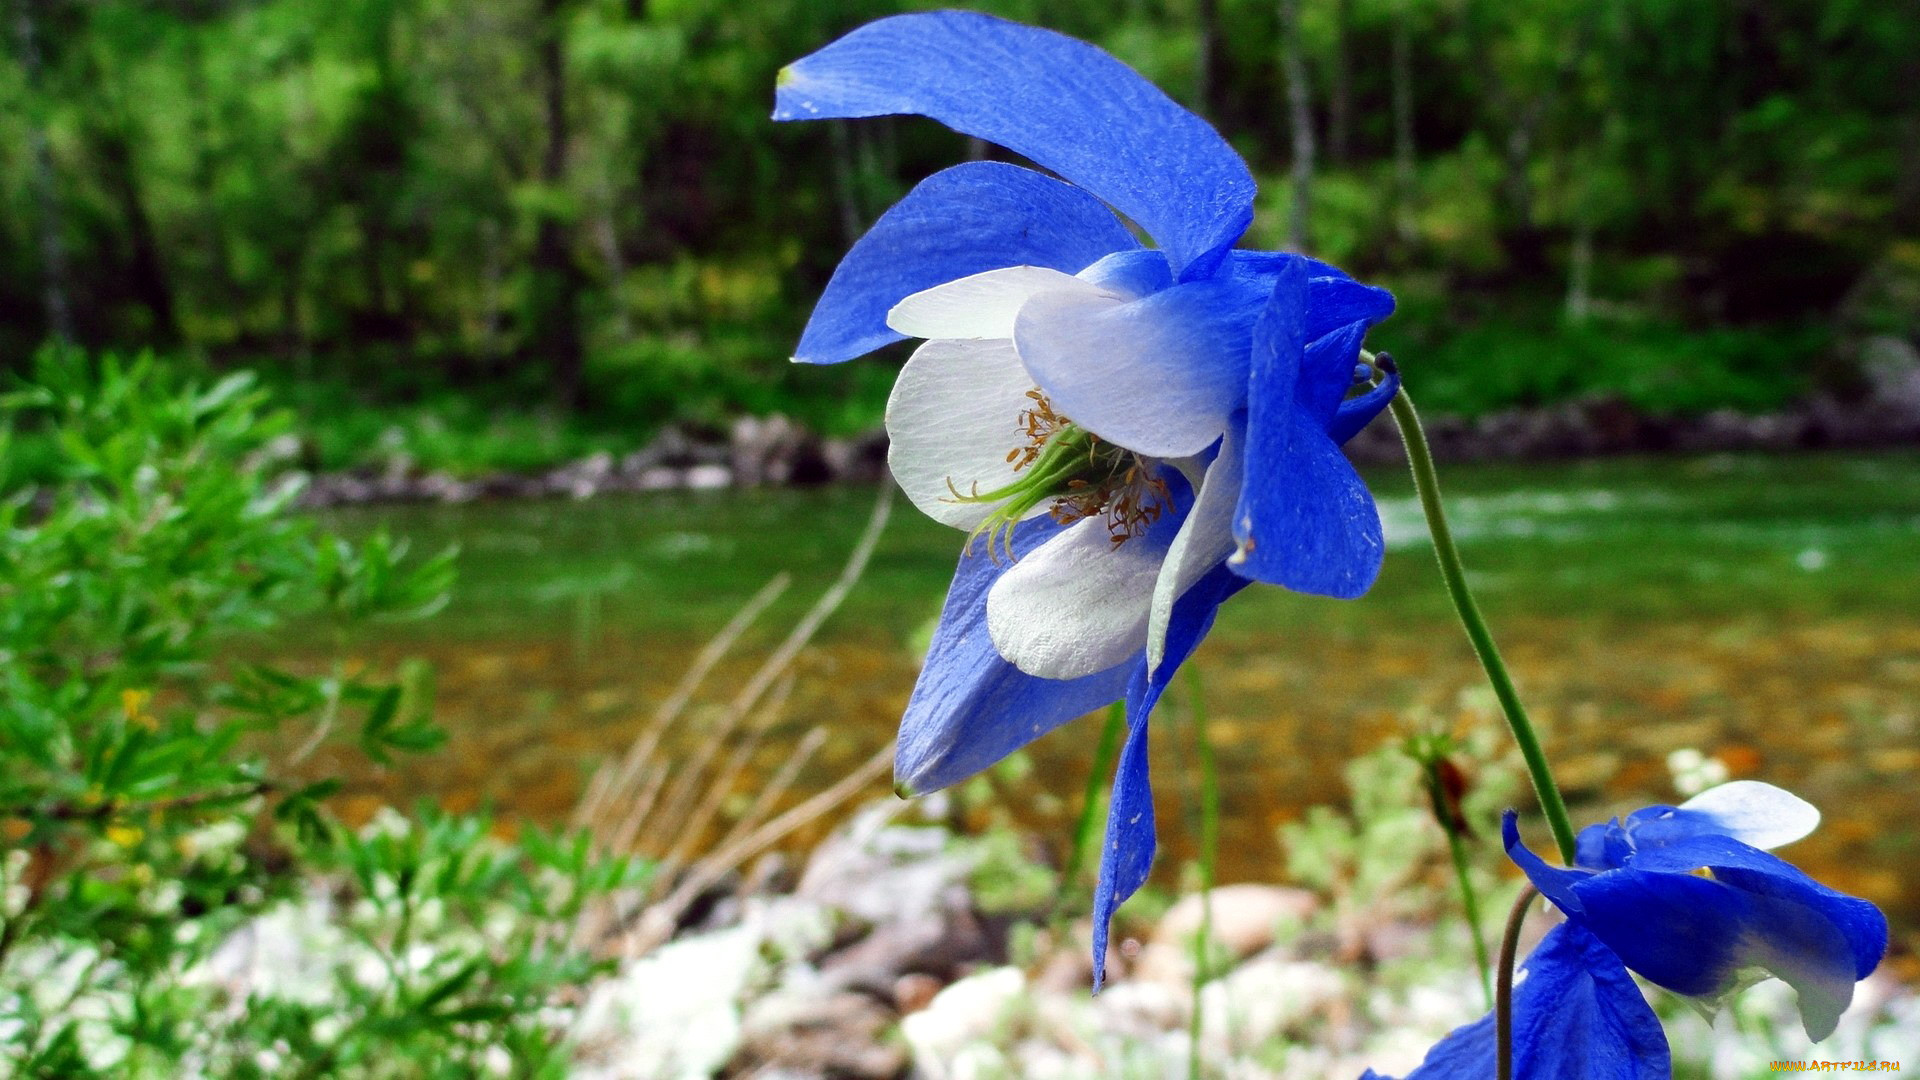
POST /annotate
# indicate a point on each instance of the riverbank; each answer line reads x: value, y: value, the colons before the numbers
x: 777, y: 451
x: 897, y: 948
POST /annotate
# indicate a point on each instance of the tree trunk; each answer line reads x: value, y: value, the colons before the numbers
x: 53, y: 249
x: 1580, y: 270
x: 294, y: 345
x: 1207, y: 56
x: 607, y: 235
x: 1524, y: 241
x: 1906, y: 197
x: 1300, y: 118
x: 555, y: 322
x: 146, y: 274
x: 845, y: 181
x: 492, y: 271
x: 111, y: 132
x: 1340, y: 88
x: 217, y: 289
x: 1403, y: 162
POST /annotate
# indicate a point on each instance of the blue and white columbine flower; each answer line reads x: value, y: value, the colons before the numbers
x: 1636, y: 899
x: 1136, y: 433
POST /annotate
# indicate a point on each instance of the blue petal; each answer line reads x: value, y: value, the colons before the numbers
x: 1062, y: 103
x: 970, y: 707
x: 1659, y: 826
x: 1126, y: 854
x: 1333, y: 298
x: 1265, y: 264
x: 1335, y: 302
x: 1751, y: 870
x: 1326, y: 371
x: 971, y: 218
x: 1554, y: 883
x: 1753, y: 812
x: 1576, y: 1016
x: 1305, y: 519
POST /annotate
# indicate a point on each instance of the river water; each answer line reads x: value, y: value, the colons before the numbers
x: 1761, y: 610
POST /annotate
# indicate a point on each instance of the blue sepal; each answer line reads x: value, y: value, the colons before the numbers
x: 970, y: 707
x: 971, y: 218
x: 1554, y: 883
x: 1679, y: 931
x: 1334, y: 299
x: 1305, y: 519
x: 1064, y: 104
x: 1576, y: 1016
x: 1747, y: 869
x: 1126, y: 853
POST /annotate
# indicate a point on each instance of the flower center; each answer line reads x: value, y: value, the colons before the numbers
x: 1082, y: 474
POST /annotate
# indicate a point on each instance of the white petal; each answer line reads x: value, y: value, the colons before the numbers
x: 1075, y: 605
x: 953, y: 415
x: 1756, y: 813
x: 1158, y: 376
x: 1205, y: 538
x: 979, y: 305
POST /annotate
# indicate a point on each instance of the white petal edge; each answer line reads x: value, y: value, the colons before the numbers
x: 1204, y: 539
x: 1075, y: 605
x: 1756, y: 813
x: 977, y: 306
x: 952, y: 416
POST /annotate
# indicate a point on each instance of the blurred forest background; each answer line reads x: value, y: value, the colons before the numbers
x: 534, y: 228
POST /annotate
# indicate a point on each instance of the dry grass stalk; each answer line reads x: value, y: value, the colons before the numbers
x: 689, y: 831
x: 776, y: 788
x: 609, y: 781
x: 657, y: 923
x: 643, y: 797
x: 693, y: 773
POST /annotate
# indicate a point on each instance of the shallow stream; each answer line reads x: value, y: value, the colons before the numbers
x: 1762, y: 610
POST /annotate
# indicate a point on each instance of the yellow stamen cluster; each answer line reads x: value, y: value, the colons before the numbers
x: 1081, y: 473
x: 1038, y: 422
x: 1132, y: 503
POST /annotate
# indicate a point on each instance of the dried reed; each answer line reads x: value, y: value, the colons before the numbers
x: 646, y: 803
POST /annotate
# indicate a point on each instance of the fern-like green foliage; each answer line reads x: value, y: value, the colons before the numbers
x: 174, y: 901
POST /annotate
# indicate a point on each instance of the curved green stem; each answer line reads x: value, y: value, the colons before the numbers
x: 1427, y: 482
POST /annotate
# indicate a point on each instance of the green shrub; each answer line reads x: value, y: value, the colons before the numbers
x: 140, y: 833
